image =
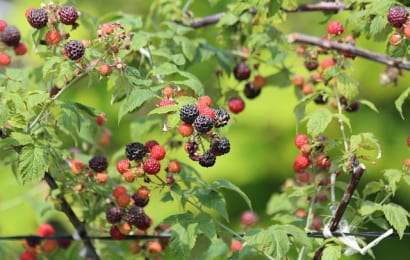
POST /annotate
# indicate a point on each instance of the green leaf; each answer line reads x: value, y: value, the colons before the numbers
x: 332, y: 252
x: 228, y: 19
x: 393, y: 177
x: 230, y: 186
x: 206, y: 225
x: 214, y: 200
x: 318, y: 121
x: 164, y: 69
x: 400, y: 101
x: 21, y: 139
x: 277, y: 203
x: 163, y: 110
x: 32, y: 163
x: 372, y: 187
x: 298, y: 235
x: 178, y: 59
x: 136, y: 98
x: 369, y: 104
x: 272, y: 241
x: 366, y: 141
x: 188, y: 48
x: 397, y: 216
x: 192, y: 82
x: 182, y: 240
x: 369, y: 207
x: 36, y: 97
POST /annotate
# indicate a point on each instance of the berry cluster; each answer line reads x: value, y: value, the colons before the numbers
x: 398, y: 18
x: 198, y: 122
x: 96, y: 170
x: 10, y: 38
x: 34, y: 246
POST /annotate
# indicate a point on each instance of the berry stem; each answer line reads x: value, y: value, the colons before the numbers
x: 340, y: 121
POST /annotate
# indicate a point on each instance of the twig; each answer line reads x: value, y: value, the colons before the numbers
x: 343, y: 47
x: 75, y: 221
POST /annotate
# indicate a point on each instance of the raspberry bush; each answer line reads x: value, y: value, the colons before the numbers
x: 108, y: 185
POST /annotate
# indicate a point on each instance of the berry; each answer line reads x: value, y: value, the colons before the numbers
x: 119, y: 190
x: 335, y: 28
x: 191, y: 147
x: 259, y: 81
x: 154, y: 247
x: 322, y: 161
x: 207, y: 111
x: 123, y: 200
x: 3, y: 24
x: 10, y: 35
x: 76, y: 166
x: 104, y: 69
x: 327, y: 63
x: 27, y: 255
x: 129, y: 176
x: 74, y: 49
x: 221, y: 146
x: 174, y: 166
x: 168, y: 91
x: 49, y: 245
x: 250, y: 91
x: 236, y: 105
x: 188, y: 113
x: 298, y: 81
x: 311, y: 64
x: 116, y: 233
x: 242, y: 71
x: 395, y: 39
x: 68, y: 15
x: 135, y: 151
x: 249, y: 218
x: 114, y: 214
x: 307, y: 89
x: 206, y: 100
x: 151, y: 166
x: 136, y: 216
x: 203, y: 124
x: 37, y: 18
x: 320, y: 99
x: 100, y: 119
x: 185, y: 129
x: 166, y: 102
x: 397, y: 16
x: 5, y: 59
x: 170, y: 180
x: 53, y: 37
x: 139, y: 201
x: 142, y: 193
x: 28, y: 11
x: 317, y: 223
x: 236, y: 245
x: 157, y: 152
x: 45, y: 230
x: 98, y: 163
x: 408, y: 141
x: 207, y: 159
x: 300, y: 213
x: 20, y: 49
x: 125, y: 228
x: 151, y: 143
x: 300, y: 140
x: 122, y: 166
x: 353, y: 107
x: 406, y: 31
x: 301, y: 162
x: 221, y: 117
x: 107, y: 28
x: 101, y: 177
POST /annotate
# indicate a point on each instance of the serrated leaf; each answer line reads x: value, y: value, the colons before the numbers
x: 230, y: 186
x: 133, y: 101
x: 369, y: 207
x: 332, y: 252
x: 32, y: 163
x: 192, y: 82
x: 318, y: 121
x: 298, y: 235
x: 214, y: 200
x: 272, y: 241
x: 206, y: 224
x: 369, y: 104
x: 36, y: 97
x: 182, y: 240
x: 163, y: 110
x: 21, y: 139
x: 366, y: 141
x: 164, y: 69
x: 397, y: 216
x: 400, y: 101
x: 393, y: 177
x: 277, y: 203
x: 372, y: 187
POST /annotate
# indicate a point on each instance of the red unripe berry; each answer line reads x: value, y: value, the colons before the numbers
x: 320, y: 197
x: 317, y: 223
x: 116, y: 233
x: 123, y: 200
x: 129, y: 176
x: 298, y: 80
x: 101, y: 177
x: 100, y: 119
x: 249, y: 218
x: 185, y: 129
x: 323, y: 161
x: 3, y: 24
x: 5, y: 59
x: 76, y: 166
x: 20, y: 49
x: 170, y: 180
x: 154, y: 247
x: 236, y: 105
x: 306, y: 149
x: 107, y: 28
x: 157, y: 152
x: 304, y: 177
x: 327, y: 63
x: 119, y: 190
x: 408, y: 141
x: 259, y: 81
x: 45, y: 230
x: 151, y: 143
x: 207, y: 111
x: 174, y: 166
x: 395, y: 39
x: 151, y: 166
x: 301, y: 162
x: 307, y: 89
x: 168, y: 91
x: 143, y: 192
x: 166, y: 102
x: 123, y: 165
x: 104, y: 69
x: 300, y: 213
x: 125, y: 228
x: 206, y: 100
x: 53, y: 37
x: 27, y: 255
x: 335, y: 28
x: 49, y: 245
x: 300, y: 140
x: 236, y: 245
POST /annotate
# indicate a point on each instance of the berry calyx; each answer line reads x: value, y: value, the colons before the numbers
x: 151, y: 166
x: 98, y: 163
x: 37, y: 18
x: 236, y: 105
x: 397, y: 16
x: 242, y: 71
x: 53, y: 37
x: 157, y: 152
x: 10, y: 36
x: 185, y: 129
x: 335, y: 28
x: 188, y: 113
x: 74, y: 49
x: 68, y: 15
x: 300, y: 140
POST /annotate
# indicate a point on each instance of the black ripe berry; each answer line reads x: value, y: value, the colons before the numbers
x: 38, y: 18
x: 74, y: 49
x: 221, y: 117
x: 10, y: 35
x: 68, y: 15
x: 397, y: 16
x: 321, y: 99
x: 135, y: 151
x: 221, y: 146
x: 114, y: 214
x: 203, y: 123
x: 311, y: 64
x: 207, y: 159
x: 242, y: 71
x: 98, y: 163
x: 250, y: 91
x: 137, y: 217
x: 353, y: 107
x: 188, y: 113
x: 138, y: 201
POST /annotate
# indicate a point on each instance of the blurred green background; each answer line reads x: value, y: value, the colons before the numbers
x: 261, y: 137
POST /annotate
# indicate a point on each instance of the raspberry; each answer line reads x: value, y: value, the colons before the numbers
x: 123, y: 200
x: 311, y: 64
x: 250, y: 91
x: 301, y: 162
x: 151, y: 143
x: 119, y: 190
x: 129, y: 176
x: 135, y: 151
x: 107, y: 28
x: 5, y: 59
x: 168, y: 91
x: 20, y: 49
x: 155, y: 247
x: 28, y: 255
x: 98, y: 163
x: 203, y: 123
x: 166, y: 102
x: 300, y: 213
x: 100, y: 119
x: 298, y: 81
x: 395, y: 39
x: 125, y: 228
x: 207, y: 111
x: 174, y: 166
x: 317, y: 223
x: 101, y: 177
x: 221, y: 146
x: 114, y: 214
x: 191, y: 147
x: 352, y: 107
x: 53, y: 37
x: 74, y: 49
x: 151, y: 166
x: 45, y: 230
x: 242, y: 71
x: 116, y: 233
x: 188, y: 113
x: 207, y: 159
x: 307, y: 89
x: 76, y: 166
x: 327, y: 63
x: 37, y: 18
x: 236, y: 105
x: 170, y: 180
x: 397, y: 16
x: 335, y: 28
x: 221, y: 117
x: 300, y: 140
x: 249, y: 218
x: 49, y: 245
x: 104, y: 69
x: 64, y: 243
x: 259, y: 81
x: 157, y: 152
x: 10, y: 35
x: 122, y: 166
x: 322, y: 161
x: 206, y: 100
x: 68, y: 15
x: 141, y: 196
x: 236, y: 245
x: 136, y: 216
x: 3, y: 24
